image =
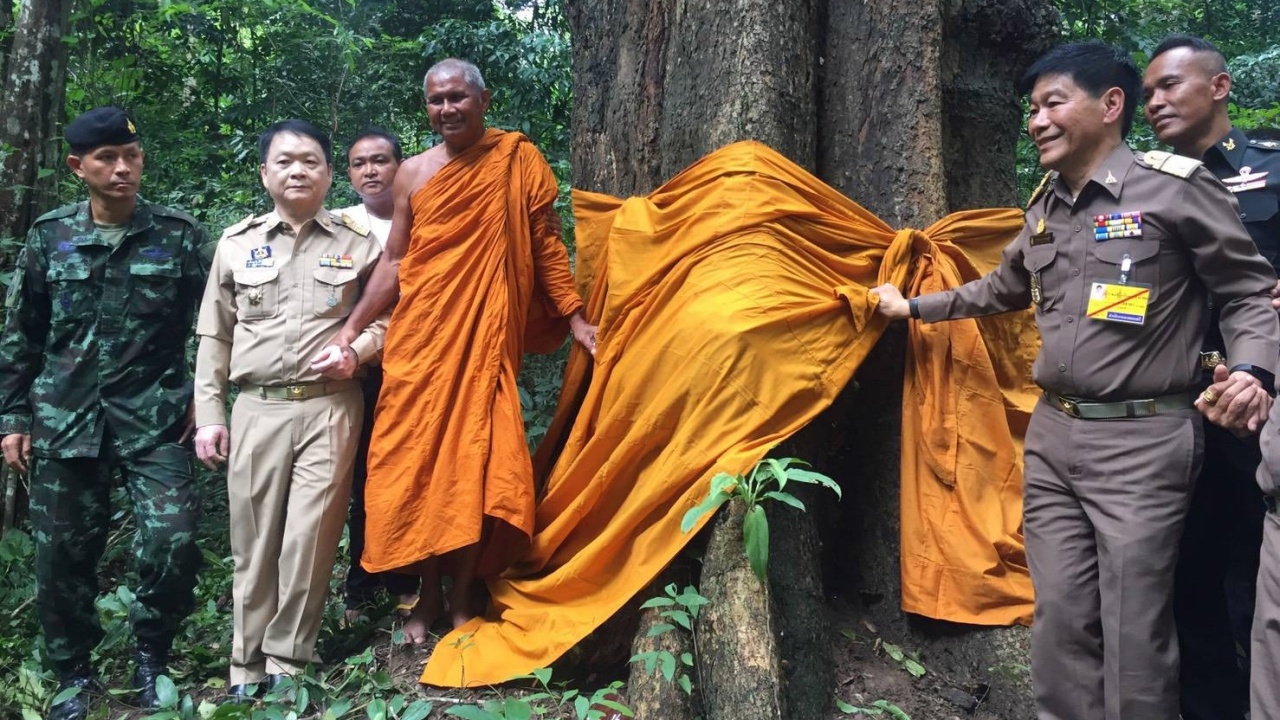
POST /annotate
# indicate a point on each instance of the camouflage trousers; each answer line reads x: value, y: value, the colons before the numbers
x: 70, y: 516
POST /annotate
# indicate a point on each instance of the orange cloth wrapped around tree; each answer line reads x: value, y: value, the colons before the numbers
x: 448, y: 448
x: 732, y: 308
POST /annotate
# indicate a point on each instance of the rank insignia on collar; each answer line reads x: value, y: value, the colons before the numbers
x: 1229, y: 144
x: 1111, y: 179
x: 1269, y: 144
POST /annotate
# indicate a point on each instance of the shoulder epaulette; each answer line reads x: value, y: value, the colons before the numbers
x: 62, y: 212
x: 1167, y: 162
x: 1265, y: 144
x: 354, y: 225
x: 1044, y: 185
x: 241, y: 226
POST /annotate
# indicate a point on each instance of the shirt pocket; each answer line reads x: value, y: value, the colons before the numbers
x: 1040, y: 263
x: 334, y: 292
x: 1257, y: 206
x: 257, y: 293
x: 1144, y: 262
x: 155, y: 288
x: 71, y: 294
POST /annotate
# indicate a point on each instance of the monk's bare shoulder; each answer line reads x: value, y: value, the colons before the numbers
x: 419, y: 169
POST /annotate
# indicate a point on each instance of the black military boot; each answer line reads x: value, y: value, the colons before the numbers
x: 152, y: 663
x: 76, y: 707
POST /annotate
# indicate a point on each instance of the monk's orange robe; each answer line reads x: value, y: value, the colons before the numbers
x: 733, y: 308
x: 483, y: 268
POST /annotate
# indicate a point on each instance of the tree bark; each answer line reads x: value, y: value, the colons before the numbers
x: 910, y: 109
x: 30, y: 108
x: 6, y: 42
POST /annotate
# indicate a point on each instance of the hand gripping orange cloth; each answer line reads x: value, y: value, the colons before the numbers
x: 448, y: 446
x: 733, y: 307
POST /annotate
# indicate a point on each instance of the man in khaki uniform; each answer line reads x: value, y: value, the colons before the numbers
x: 1264, y: 656
x: 281, y: 286
x: 1116, y: 256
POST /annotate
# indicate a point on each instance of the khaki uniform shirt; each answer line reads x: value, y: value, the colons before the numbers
x: 273, y: 302
x: 1191, y: 243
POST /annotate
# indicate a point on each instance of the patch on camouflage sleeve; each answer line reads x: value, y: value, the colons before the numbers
x: 15, y: 282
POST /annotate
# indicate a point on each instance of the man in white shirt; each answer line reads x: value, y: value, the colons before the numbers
x: 372, y: 162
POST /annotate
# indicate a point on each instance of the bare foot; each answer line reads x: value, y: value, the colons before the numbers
x: 418, y: 627
x: 461, y: 610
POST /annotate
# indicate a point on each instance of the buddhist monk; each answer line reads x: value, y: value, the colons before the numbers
x: 475, y: 255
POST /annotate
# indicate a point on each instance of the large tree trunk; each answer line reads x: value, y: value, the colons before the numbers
x: 35, y: 71
x: 30, y: 109
x: 910, y: 109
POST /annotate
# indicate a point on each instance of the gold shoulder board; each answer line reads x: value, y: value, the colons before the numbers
x: 240, y: 226
x: 1044, y: 185
x: 1169, y: 163
x: 354, y: 225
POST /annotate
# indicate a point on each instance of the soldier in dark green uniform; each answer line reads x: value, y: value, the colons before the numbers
x: 93, y: 379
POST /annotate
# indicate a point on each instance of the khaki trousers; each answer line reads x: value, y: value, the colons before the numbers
x: 1264, y: 674
x: 288, y: 486
x: 1104, y: 503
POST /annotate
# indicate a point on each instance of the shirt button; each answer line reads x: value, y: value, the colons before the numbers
x: 1077, y: 228
x: 1075, y: 271
x: 1062, y: 367
x: 1244, y: 215
x: 1070, y: 319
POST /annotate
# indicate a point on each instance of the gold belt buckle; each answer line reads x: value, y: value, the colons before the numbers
x: 1212, y: 359
x: 296, y: 392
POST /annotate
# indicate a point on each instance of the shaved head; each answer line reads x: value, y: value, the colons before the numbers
x: 1207, y: 55
x: 455, y: 66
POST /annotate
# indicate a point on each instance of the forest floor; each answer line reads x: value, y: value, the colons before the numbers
x: 872, y: 678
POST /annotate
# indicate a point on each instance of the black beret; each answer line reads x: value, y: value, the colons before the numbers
x: 100, y: 126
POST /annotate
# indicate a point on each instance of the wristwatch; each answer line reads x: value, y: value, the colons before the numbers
x: 1267, y: 377
x: 913, y: 307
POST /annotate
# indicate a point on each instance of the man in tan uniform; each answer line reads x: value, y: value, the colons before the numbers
x: 281, y: 285
x: 1116, y: 256
x: 1264, y: 656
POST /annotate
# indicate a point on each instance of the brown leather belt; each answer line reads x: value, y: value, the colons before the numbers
x: 299, y: 391
x: 1090, y: 410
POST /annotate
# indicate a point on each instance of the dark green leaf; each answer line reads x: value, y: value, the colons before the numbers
x: 755, y: 536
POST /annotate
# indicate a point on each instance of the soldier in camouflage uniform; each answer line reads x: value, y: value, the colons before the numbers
x: 93, y: 379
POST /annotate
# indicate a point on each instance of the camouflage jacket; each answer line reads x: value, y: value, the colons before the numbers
x: 95, y: 338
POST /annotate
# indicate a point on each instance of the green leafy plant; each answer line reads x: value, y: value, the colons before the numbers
x: 879, y: 707
x: 680, y: 609
x: 909, y: 662
x: 766, y: 481
x: 546, y: 702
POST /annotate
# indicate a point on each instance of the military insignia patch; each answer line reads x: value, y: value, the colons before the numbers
x: 1117, y: 225
x: 337, y: 261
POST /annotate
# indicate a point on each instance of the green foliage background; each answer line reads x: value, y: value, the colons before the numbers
x: 204, y: 77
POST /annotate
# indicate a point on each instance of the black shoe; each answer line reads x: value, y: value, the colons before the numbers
x: 77, y: 706
x: 241, y: 694
x: 272, y: 681
x: 152, y: 663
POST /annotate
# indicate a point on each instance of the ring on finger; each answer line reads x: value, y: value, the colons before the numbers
x: 1209, y: 397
